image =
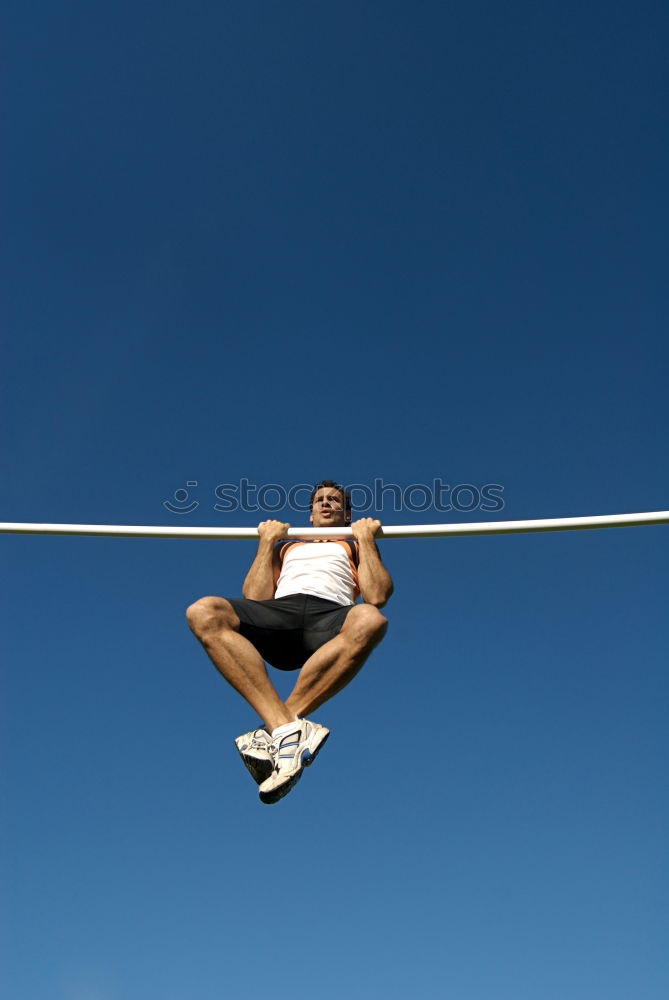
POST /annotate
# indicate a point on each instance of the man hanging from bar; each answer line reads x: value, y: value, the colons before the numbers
x: 298, y: 612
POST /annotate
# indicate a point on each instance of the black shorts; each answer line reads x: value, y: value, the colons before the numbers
x: 287, y: 630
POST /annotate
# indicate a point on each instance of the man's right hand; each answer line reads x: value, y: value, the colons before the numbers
x: 272, y: 531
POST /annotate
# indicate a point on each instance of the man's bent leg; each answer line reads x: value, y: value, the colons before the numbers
x: 337, y: 662
x: 215, y: 623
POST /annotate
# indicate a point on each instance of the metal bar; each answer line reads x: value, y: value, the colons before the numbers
x: 388, y: 531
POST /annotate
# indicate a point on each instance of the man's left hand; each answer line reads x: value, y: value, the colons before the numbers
x: 366, y: 527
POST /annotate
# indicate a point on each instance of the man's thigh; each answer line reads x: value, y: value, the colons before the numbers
x: 323, y: 621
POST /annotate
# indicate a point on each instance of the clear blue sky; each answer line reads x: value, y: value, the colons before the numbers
x: 282, y: 241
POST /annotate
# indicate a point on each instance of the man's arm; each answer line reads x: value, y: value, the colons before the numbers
x: 260, y: 584
x: 375, y: 582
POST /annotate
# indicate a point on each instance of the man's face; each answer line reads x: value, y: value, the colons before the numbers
x: 328, y: 508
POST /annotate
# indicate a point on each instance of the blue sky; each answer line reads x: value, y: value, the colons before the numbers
x: 278, y: 242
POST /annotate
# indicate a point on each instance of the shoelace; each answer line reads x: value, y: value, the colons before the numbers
x: 257, y: 744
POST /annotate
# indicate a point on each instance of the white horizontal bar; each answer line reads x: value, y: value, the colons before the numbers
x: 389, y: 531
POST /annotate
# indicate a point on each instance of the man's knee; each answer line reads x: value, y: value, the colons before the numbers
x: 367, y: 624
x: 211, y: 613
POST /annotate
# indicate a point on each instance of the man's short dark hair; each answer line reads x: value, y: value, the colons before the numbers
x: 332, y: 485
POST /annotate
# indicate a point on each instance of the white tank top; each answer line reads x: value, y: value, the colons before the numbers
x: 321, y: 569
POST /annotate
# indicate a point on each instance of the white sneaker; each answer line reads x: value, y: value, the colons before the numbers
x: 257, y: 751
x: 295, y: 750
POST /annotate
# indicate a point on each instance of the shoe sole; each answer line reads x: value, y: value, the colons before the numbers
x: 275, y: 794
x: 314, y: 754
x: 259, y: 770
x: 269, y: 798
